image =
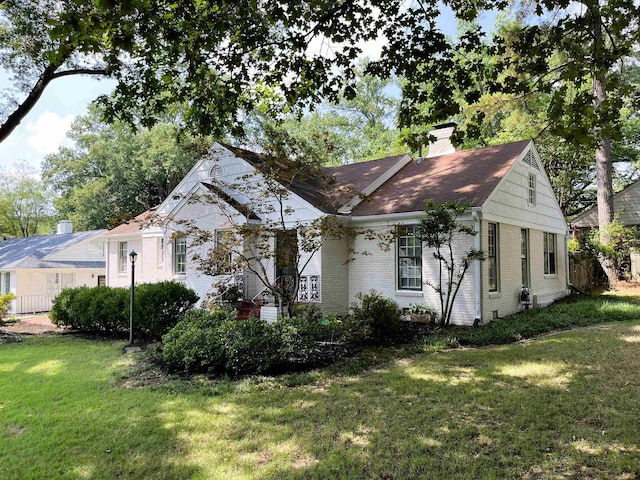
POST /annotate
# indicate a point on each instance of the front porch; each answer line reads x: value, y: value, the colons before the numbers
x: 243, y: 293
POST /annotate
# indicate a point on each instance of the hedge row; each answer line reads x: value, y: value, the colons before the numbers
x: 157, y: 308
x: 215, y: 342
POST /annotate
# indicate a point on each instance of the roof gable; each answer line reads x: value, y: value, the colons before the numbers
x: 466, y: 175
x: 626, y: 204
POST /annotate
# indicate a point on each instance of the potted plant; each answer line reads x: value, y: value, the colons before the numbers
x: 419, y: 312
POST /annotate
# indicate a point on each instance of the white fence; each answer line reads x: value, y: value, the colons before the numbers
x: 30, y: 304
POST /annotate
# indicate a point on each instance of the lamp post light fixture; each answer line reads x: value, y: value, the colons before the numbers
x: 133, y: 256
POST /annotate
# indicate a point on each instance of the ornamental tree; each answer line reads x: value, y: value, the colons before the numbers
x: 437, y: 229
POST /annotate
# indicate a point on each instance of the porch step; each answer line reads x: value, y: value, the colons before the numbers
x: 248, y: 309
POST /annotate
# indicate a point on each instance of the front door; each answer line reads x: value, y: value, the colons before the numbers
x: 286, y: 256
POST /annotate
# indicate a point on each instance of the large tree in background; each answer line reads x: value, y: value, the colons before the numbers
x: 347, y: 130
x: 25, y: 203
x: 113, y: 173
x: 576, y: 53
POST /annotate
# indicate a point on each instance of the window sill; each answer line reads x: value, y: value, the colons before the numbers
x: 409, y: 293
x: 550, y: 276
x: 495, y: 294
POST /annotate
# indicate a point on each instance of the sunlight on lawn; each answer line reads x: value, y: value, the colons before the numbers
x: 9, y: 367
x: 453, y: 375
x: 541, y: 374
x: 84, y: 471
x: 635, y: 335
x: 50, y: 367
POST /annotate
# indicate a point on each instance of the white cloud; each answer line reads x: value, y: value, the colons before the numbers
x: 47, y: 132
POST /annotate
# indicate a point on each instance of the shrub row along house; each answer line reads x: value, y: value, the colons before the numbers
x: 241, y: 221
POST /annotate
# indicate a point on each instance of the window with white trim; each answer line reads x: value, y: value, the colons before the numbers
x: 161, y: 251
x: 180, y: 256
x: 531, y: 189
x: 122, y: 256
x: 549, y: 253
x: 524, y: 256
x: 6, y: 282
x: 223, y: 251
x: 409, y: 258
x: 56, y: 282
x: 492, y: 256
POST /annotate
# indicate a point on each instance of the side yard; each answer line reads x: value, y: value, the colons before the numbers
x: 562, y: 406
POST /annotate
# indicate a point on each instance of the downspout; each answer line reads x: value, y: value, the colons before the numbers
x: 566, y: 262
x: 106, y: 262
x: 476, y: 214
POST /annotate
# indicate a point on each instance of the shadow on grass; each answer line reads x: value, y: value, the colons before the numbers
x: 562, y: 407
x: 555, y: 408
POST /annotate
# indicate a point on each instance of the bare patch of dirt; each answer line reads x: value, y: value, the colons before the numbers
x: 147, y: 378
x: 31, y: 326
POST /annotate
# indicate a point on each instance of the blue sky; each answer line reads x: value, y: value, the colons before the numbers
x: 43, y: 131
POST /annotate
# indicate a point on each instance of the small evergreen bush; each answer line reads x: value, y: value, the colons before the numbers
x: 379, y: 316
x: 250, y: 346
x: 159, y: 306
x: 195, y: 344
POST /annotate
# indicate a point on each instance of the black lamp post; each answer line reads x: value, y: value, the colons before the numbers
x: 133, y: 257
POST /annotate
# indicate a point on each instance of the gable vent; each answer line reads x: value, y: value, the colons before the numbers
x: 216, y: 172
x: 530, y: 160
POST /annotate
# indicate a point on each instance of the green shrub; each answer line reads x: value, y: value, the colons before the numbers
x: 250, y: 346
x: 105, y: 309
x: 5, y: 305
x: 297, y: 338
x: 308, y: 311
x: 380, y: 315
x: 92, y: 308
x: 159, y: 306
x: 195, y: 344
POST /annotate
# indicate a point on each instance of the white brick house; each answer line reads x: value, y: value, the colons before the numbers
x: 513, y: 210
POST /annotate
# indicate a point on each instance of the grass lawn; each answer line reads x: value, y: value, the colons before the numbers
x: 564, y: 406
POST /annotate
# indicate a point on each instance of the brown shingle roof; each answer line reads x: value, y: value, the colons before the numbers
x: 466, y: 175
x: 131, y: 226
x: 348, y: 180
x: 469, y: 175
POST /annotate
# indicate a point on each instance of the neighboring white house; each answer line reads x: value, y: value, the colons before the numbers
x: 514, y: 211
x: 35, y: 269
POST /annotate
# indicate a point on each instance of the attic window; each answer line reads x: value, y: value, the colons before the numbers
x: 216, y: 172
x: 530, y: 160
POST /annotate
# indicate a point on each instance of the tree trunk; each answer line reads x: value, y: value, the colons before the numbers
x: 604, y: 162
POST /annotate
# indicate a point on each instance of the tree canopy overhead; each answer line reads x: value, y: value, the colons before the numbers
x: 216, y: 56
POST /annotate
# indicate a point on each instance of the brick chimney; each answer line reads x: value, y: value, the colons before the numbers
x: 64, y: 226
x: 443, y: 145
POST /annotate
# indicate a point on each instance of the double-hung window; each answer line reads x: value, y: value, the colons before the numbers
x: 180, y: 256
x: 524, y: 256
x: 549, y: 253
x: 6, y: 282
x: 409, y: 258
x: 531, y: 190
x: 223, y: 251
x: 492, y: 256
x: 122, y: 257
